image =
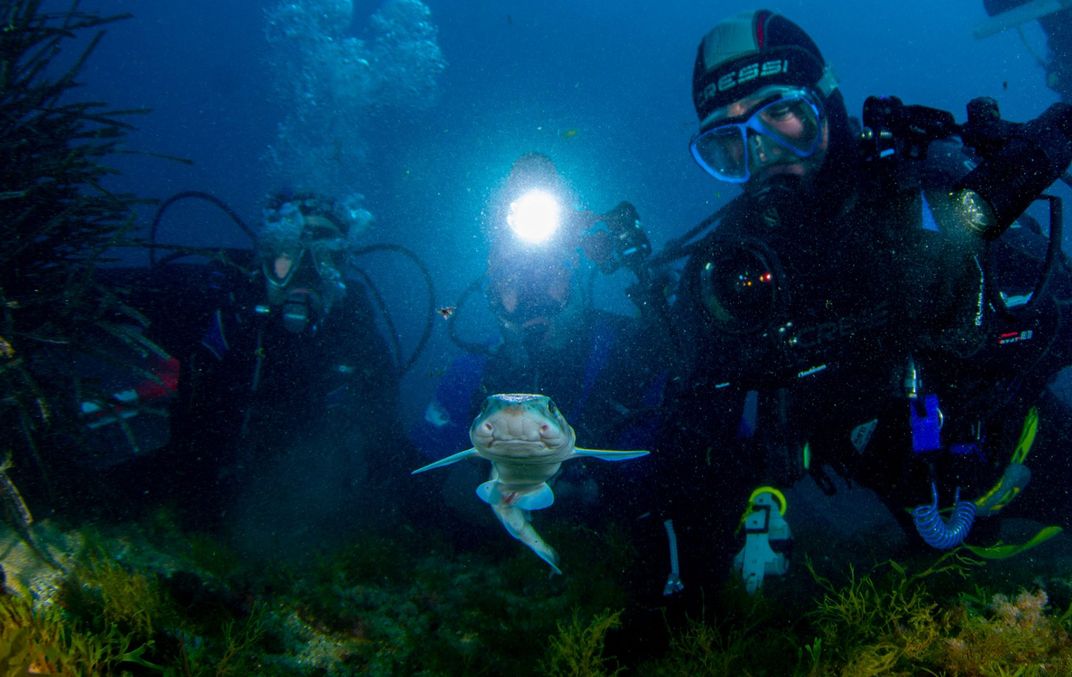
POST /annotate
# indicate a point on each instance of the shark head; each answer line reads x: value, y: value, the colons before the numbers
x: 519, y: 428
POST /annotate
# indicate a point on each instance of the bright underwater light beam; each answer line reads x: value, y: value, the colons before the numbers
x: 535, y: 216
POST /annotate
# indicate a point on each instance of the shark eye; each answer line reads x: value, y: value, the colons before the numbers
x: 551, y: 408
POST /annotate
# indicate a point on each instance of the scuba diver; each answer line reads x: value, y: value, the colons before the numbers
x: 289, y: 359
x: 598, y: 366
x: 863, y: 308
x: 1055, y: 19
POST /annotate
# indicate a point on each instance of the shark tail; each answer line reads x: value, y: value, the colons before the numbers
x: 518, y: 525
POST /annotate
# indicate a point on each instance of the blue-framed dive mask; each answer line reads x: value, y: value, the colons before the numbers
x: 787, y: 121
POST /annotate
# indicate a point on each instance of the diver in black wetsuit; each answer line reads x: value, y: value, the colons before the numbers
x: 290, y: 364
x: 850, y: 301
x: 602, y: 369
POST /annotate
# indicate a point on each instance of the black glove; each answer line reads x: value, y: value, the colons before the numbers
x: 1013, y: 174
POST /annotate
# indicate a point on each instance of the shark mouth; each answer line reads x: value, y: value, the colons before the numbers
x: 514, y: 447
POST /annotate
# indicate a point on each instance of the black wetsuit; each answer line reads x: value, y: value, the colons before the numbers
x: 251, y: 391
x: 857, y: 289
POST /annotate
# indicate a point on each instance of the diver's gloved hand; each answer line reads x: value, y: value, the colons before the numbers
x: 1013, y: 174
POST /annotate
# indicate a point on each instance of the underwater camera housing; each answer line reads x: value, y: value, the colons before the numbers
x: 1016, y: 163
x: 1017, y: 160
x: 622, y: 243
x: 618, y: 240
x: 746, y: 282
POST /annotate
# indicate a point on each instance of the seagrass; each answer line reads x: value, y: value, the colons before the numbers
x: 58, y: 220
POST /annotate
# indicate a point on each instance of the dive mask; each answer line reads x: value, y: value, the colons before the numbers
x: 280, y: 263
x: 289, y: 234
x: 280, y: 244
x: 303, y: 292
x: 789, y: 119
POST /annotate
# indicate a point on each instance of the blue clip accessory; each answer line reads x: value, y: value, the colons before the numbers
x: 926, y: 424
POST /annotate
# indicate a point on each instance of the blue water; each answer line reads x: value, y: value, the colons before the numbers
x: 603, y: 88
x: 518, y: 75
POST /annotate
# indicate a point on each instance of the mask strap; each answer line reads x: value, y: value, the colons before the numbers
x: 828, y: 83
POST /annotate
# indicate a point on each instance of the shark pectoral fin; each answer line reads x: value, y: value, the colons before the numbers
x: 454, y: 458
x: 491, y: 493
x: 538, y: 499
x: 605, y: 455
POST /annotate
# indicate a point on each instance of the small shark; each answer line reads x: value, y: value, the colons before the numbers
x: 527, y: 439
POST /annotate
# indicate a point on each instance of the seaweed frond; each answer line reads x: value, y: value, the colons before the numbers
x: 577, y: 649
x: 57, y: 223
